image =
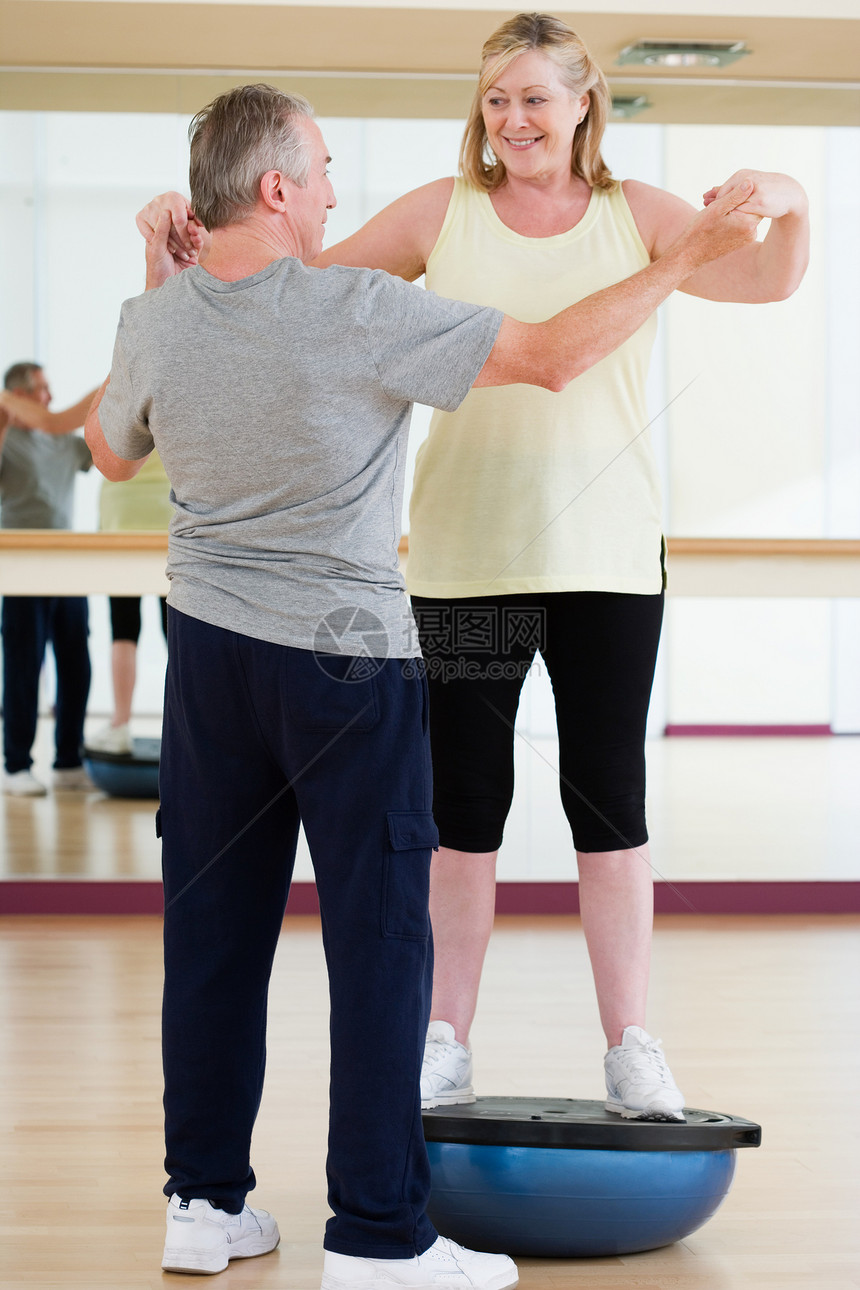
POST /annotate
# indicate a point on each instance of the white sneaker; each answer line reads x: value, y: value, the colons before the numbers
x: 639, y: 1084
x: 446, y: 1072
x: 203, y: 1239
x: 444, y: 1264
x: 22, y: 783
x: 111, y: 739
x: 74, y: 779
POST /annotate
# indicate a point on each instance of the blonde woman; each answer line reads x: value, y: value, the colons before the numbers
x: 536, y: 521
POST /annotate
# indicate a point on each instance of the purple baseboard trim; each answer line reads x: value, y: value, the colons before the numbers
x: 757, y: 898
x: 303, y: 899
x: 85, y: 897
x: 746, y: 732
x: 51, y: 896
x: 694, y: 898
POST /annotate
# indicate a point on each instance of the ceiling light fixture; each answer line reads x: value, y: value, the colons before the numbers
x: 650, y: 52
x: 624, y: 108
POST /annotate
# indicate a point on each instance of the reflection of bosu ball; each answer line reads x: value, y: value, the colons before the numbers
x: 133, y: 774
x: 556, y: 1178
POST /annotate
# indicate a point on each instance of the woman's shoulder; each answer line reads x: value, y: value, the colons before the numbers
x: 656, y: 213
x: 421, y: 213
x: 642, y: 198
x: 439, y: 190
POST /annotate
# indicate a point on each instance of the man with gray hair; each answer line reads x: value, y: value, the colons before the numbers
x: 278, y: 397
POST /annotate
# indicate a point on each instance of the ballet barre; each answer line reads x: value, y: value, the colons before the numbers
x: 49, y: 562
x: 56, y: 562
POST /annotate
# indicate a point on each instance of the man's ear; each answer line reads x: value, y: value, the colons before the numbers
x: 272, y: 190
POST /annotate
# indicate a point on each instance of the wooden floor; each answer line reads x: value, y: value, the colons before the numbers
x: 797, y: 800
x: 760, y: 1018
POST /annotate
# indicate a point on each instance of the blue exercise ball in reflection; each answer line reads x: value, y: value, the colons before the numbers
x: 558, y: 1178
x: 133, y: 774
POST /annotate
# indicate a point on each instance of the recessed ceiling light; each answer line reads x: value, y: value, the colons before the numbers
x: 683, y: 53
x: 624, y: 108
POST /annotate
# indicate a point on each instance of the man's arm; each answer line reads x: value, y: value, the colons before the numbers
x: 553, y: 353
x: 104, y: 458
x: 161, y: 264
x: 26, y: 412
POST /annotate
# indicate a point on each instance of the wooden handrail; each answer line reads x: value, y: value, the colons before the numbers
x: 66, y: 540
x: 55, y: 562
x: 764, y: 546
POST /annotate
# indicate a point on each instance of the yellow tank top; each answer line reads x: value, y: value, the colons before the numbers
x: 139, y: 503
x: 521, y: 489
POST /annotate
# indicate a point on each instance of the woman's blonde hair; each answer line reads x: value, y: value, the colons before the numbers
x: 580, y: 74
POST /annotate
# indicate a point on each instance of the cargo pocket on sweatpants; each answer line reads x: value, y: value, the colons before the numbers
x: 412, y: 835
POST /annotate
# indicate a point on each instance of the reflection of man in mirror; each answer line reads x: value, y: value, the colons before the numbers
x: 39, y: 459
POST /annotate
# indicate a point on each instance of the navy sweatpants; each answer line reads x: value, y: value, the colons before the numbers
x: 256, y: 738
x: 28, y: 623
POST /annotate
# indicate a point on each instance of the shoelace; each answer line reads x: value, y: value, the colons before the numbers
x: 435, y: 1052
x: 640, y: 1059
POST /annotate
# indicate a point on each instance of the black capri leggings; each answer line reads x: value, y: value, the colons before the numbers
x: 600, y: 649
x: 125, y: 618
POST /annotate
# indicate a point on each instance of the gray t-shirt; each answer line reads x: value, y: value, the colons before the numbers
x: 280, y: 407
x: 37, y: 478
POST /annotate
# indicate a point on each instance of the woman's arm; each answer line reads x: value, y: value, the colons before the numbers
x: 399, y: 239
x: 761, y: 272
x: 26, y: 412
x: 188, y: 241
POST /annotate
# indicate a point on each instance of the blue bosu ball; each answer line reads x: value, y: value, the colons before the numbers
x: 133, y: 774
x: 559, y: 1178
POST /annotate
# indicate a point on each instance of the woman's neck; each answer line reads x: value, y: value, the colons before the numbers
x: 541, y: 207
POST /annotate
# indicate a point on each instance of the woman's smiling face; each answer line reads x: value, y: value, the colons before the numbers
x: 531, y: 117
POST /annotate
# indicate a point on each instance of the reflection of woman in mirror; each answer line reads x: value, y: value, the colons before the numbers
x: 142, y: 503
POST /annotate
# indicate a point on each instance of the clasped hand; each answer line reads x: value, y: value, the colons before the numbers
x: 774, y: 195
x: 174, y: 238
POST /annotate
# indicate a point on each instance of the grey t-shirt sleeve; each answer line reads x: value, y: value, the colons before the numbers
x: 123, y: 415
x: 426, y: 349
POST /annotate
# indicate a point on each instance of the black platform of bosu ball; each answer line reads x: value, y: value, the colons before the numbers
x: 559, y: 1178
x: 133, y: 774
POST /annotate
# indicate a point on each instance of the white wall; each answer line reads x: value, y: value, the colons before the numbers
x: 765, y: 441
x: 842, y: 195
x: 748, y: 455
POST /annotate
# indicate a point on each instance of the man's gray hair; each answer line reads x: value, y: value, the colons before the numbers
x: 236, y: 140
x: 20, y: 376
